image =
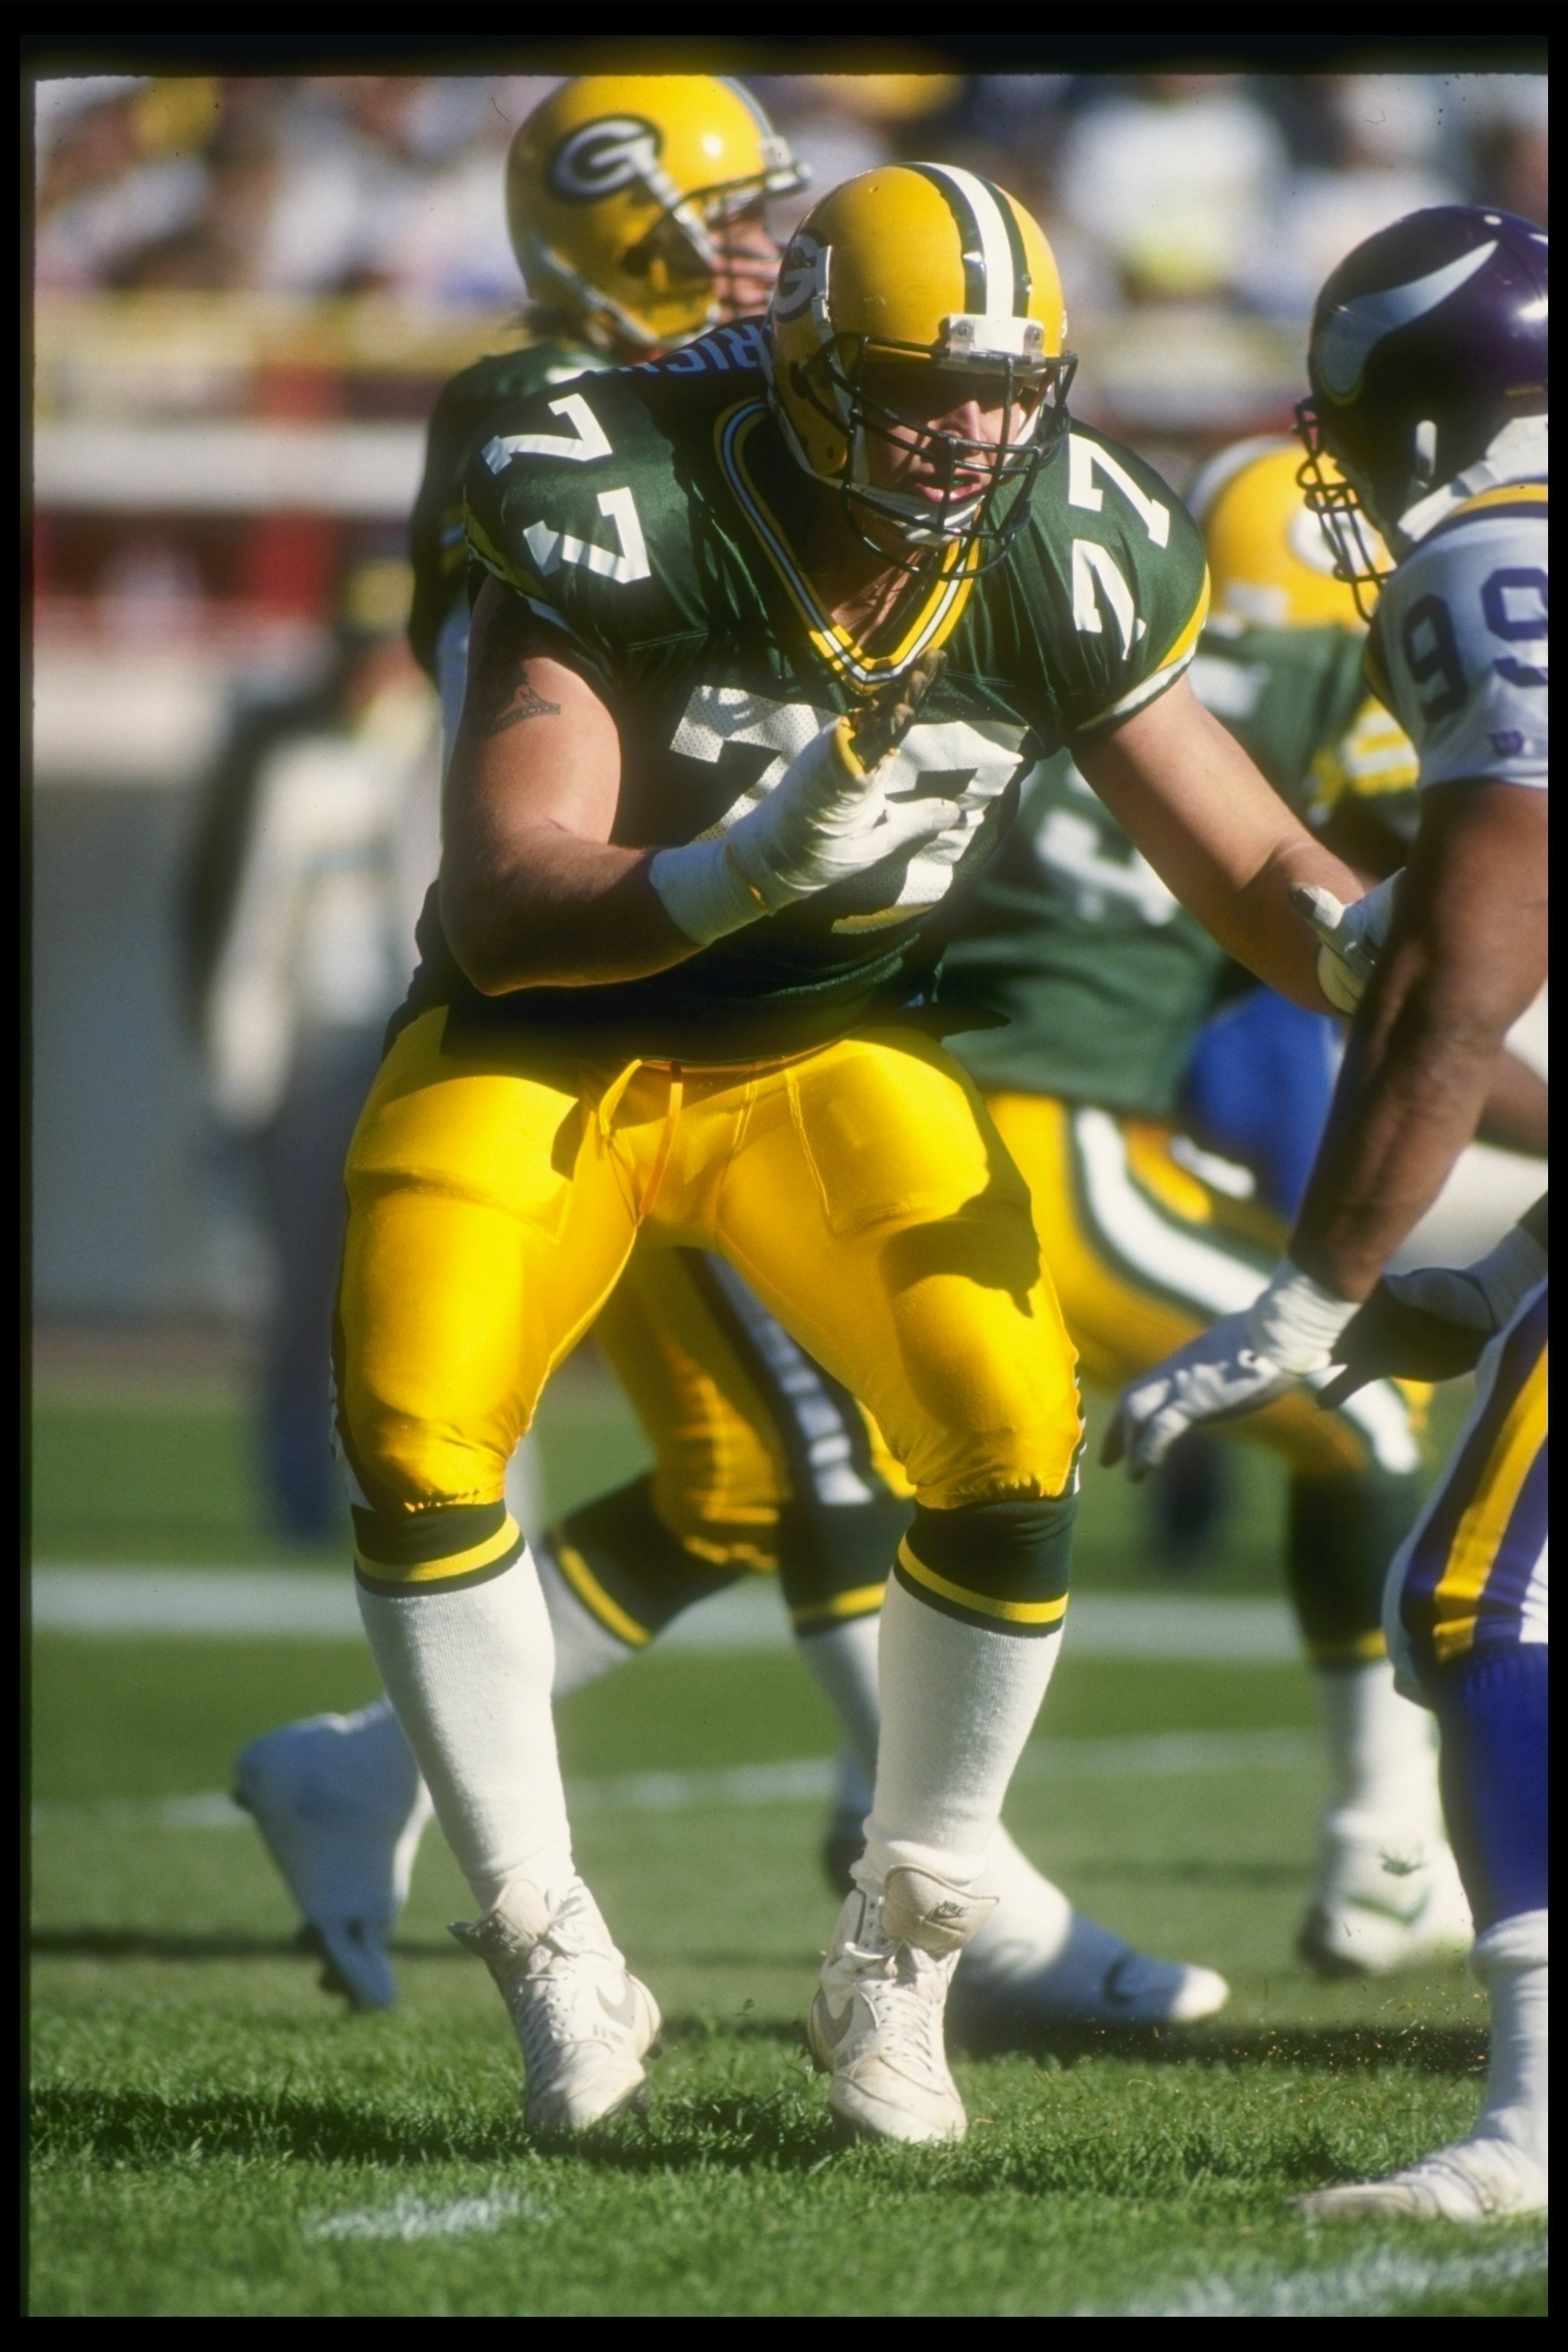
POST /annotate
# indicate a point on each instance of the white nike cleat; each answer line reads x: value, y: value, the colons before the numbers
x: 344, y: 1838
x: 876, y: 2024
x: 584, y: 2021
x: 1093, y: 1979
x: 1475, y: 2180
x: 1386, y: 1896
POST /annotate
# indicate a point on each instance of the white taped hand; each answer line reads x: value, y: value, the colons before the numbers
x: 1239, y: 1364
x: 1349, y: 936
x: 825, y: 820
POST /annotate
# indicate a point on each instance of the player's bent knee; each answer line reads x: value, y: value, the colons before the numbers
x: 1003, y: 1565
x: 440, y: 1547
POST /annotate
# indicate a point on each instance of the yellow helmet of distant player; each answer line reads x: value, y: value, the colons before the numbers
x: 919, y: 262
x: 1270, y: 564
x: 620, y: 188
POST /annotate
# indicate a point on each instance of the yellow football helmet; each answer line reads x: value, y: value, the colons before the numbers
x: 919, y: 262
x: 1270, y: 564
x: 620, y: 191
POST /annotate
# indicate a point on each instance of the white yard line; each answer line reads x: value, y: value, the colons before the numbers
x: 407, y: 2218
x: 311, y: 1604
x: 1382, y: 2281
x: 789, y: 1780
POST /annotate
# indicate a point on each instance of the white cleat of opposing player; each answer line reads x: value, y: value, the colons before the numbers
x: 1479, y: 2179
x: 345, y: 1840
x: 1384, y: 1899
x: 876, y: 2024
x: 584, y: 2022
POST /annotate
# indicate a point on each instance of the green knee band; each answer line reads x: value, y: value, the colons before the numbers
x: 1343, y: 1533
x: 1003, y: 1565
x: 626, y: 1567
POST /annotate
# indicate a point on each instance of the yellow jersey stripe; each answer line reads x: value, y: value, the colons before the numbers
x: 861, y: 1602
x: 1013, y: 1612
x: 1474, y: 1549
x: 456, y: 1563
x: 932, y: 625
x: 595, y: 1597
x: 1508, y: 494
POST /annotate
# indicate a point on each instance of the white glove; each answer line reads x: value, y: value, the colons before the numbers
x: 1237, y: 1365
x: 1350, y: 937
x: 825, y: 819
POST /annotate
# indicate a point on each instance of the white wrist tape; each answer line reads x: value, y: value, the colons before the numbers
x: 705, y: 894
x: 1350, y: 937
x: 1296, y: 1322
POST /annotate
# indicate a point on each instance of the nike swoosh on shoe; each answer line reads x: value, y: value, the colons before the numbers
x: 830, y: 2029
x: 622, y: 2010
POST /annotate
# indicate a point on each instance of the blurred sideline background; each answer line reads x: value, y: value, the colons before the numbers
x: 248, y: 292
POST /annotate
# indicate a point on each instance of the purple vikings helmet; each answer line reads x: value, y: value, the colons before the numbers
x: 1425, y: 341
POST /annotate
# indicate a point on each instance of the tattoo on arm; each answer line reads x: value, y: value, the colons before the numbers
x: 501, y: 694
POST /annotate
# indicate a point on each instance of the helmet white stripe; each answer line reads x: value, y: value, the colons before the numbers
x: 1352, y: 328
x: 995, y: 246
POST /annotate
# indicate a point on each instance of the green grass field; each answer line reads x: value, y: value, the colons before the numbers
x: 213, y: 2136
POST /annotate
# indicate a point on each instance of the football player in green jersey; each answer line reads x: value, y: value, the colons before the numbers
x: 708, y: 790
x: 764, y: 1462
x: 637, y: 207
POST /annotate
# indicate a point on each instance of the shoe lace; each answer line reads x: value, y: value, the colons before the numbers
x: 550, y: 1998
x: 903, y: 1988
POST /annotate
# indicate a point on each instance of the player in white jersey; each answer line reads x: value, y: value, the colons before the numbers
x: 1429, y: 371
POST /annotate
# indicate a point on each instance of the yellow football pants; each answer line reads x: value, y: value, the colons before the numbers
x: 1143, y: 1252
x: 862, y: 1192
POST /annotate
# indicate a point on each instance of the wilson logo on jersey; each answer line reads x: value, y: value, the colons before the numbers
x: 603, y: 157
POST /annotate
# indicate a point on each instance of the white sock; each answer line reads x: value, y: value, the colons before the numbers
x: 469, y: 1675
x: 584, y: 1650
x: 1383, y: 1751
x: 1031, y: 1915
x: 958, y: 1703
x: 844, y: 1660
x: 1511, y: 1961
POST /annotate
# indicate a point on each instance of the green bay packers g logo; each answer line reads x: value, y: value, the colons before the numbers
x: 803, y: 275
x: 603, y: 157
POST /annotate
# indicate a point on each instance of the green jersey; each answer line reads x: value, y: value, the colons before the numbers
x: 463, y: 419
x: 1100, y: 976
x: 628, y: 514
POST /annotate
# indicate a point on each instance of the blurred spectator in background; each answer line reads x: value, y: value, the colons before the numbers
x: 121, y: 166
x: 1383, y: 139
x: 317, y: 837
x: 1165, y: 179
x: 337, y: 184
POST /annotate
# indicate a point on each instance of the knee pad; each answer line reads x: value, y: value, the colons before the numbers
x: 1003, y: 1565
x: 627, y: 1569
